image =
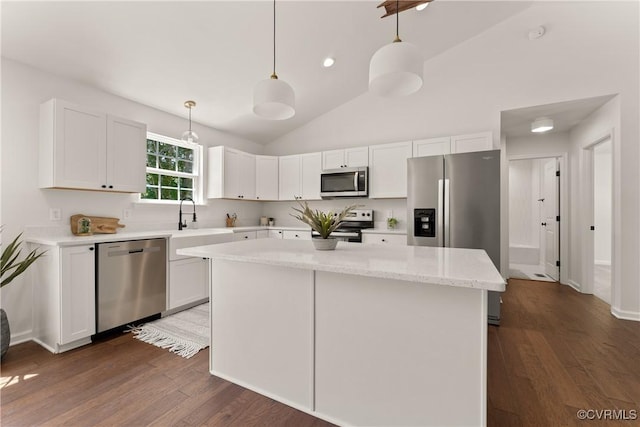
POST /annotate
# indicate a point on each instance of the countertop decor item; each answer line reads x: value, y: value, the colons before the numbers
x: 10, y: 269
x: 392, y: 223
x: 98, y: 225
x: 322, y: 223
x: 231, y: 220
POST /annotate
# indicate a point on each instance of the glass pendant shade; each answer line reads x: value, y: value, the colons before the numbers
x: 189, y: 136
x: 273, y: 99
x: 396, y: 70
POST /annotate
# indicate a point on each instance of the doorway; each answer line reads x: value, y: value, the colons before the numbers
x: 534, y: 219
x: 599, y: 246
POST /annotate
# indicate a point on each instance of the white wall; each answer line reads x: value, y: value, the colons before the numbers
x: 590, y: 49
x: 24, y: 205
x: 602, y: 203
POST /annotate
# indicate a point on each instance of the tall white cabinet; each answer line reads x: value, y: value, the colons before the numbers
x: 388, y: 169
x: 266, y: 178
x: 232, y: 174
x: 82, y: 148
x: 299, y: 176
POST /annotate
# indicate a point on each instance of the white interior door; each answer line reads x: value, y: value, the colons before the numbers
x: 550, y: 222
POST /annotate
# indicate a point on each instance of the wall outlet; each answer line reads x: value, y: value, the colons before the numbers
x: 55, y: 214
x: 126, y: 213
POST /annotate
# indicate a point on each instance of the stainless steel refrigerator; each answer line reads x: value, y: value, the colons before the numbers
x: 454, y: 201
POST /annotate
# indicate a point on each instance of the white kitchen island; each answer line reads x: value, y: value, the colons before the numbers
x: 364, y: 335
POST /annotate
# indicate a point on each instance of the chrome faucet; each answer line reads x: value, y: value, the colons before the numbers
x: 182, y: 225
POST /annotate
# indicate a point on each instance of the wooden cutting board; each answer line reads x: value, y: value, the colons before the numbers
x: 99, y: 224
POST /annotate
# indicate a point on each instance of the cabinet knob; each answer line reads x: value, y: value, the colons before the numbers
x: 91, y: 248
x: 383, y: 240
x: 103, y: 186
x: 246, y: 237
x: 257, y: 197
x: 111, y: 186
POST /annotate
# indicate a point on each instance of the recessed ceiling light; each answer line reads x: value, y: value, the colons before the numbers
x: 542, y: 124
x: 422, y: 6
x: 328, y: 62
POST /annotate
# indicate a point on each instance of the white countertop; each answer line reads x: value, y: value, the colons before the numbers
x: 468, y: 268
x: 383, y: 231
x: 71, y: 240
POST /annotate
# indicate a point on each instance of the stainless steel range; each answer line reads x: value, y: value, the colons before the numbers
x: 352, y: 225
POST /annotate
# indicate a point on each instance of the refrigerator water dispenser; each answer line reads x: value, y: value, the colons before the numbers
x: 424, y: 222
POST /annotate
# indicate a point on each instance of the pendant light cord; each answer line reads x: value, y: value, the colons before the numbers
x: 397, y: 22
x: 274, y: 75
x: 189, y: 119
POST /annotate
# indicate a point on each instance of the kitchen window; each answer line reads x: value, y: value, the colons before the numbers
x: 173, y: 170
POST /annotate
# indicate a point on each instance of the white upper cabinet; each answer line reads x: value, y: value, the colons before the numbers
x: 289, y: 182
x: 472, y: 142
x: 232, y: 174
x: 86, y: 149
x: 432, y: 147
x: 266, y: 177
x: 299, y: 176
x: 388, y: 169
x: 311, y: 170
x: 347, y: 158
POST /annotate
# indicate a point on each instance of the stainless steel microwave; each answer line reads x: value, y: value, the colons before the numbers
x: 344, y: 182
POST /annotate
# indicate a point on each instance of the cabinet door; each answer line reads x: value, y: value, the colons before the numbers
x: 247, y: 176
x: 188, y: 281
x: 231, y: 177
x: 432, y: 147
x: 311, y: 170
x: 356, y: 157
x: 266, y: 178
x: 77, y: 293
x: 388, y: 169
x: 262, y: 234
x: 385, y: 239
x: 289, y: 182
x: 126, y: 155
x: 275, y: 234
x: 244, y: 235
x: 299, y: 235
x: 472, y: 142
x: 333, y: 159
x: 73, y: 146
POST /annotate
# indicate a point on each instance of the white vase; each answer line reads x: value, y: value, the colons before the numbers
x: 327, y: 244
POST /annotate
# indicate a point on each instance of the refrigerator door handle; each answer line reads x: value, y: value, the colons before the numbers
x: 445, y: 215
x: 440, y: 213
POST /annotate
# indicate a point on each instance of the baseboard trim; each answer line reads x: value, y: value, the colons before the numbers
x: 20, y: 338
x: 574, y: 285
x: 625, y: 314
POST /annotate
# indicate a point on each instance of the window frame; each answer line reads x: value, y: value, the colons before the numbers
x: 197, y: 176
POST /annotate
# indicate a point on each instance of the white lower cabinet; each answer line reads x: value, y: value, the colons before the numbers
x: 275, y: 234
x: 262, y: 234
x: 244, y: 235
x: 189, y: 280
x: 64, y: 297
x: 385, y: 239
x: 300, y: 235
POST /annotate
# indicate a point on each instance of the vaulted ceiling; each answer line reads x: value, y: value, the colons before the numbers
x: 214, y: 52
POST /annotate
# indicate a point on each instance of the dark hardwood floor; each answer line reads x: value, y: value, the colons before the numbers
x: 556, y: 351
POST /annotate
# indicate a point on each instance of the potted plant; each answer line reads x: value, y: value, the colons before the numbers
x: 10, y: 269
x: 392, y: 223
x: 322, y: 223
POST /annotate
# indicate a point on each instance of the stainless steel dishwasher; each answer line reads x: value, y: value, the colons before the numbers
x: 132, y: 281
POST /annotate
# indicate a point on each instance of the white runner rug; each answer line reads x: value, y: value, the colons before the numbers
x: 184, y: 333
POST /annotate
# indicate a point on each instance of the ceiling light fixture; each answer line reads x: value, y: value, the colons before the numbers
x: 274, y: 99
x: 541, y: 124
x: 189, y: 135
x: 422, y: 6
x: 328, y: 62
x: 396, y: 69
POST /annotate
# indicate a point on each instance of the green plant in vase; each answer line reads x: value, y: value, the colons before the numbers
x: 10, y: 269
x: 324, y: 223
x: 392, y: 223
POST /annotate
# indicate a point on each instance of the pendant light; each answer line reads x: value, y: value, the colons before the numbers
x: 189, y: 135
x: 274, y: 99
x: 396, y: 69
